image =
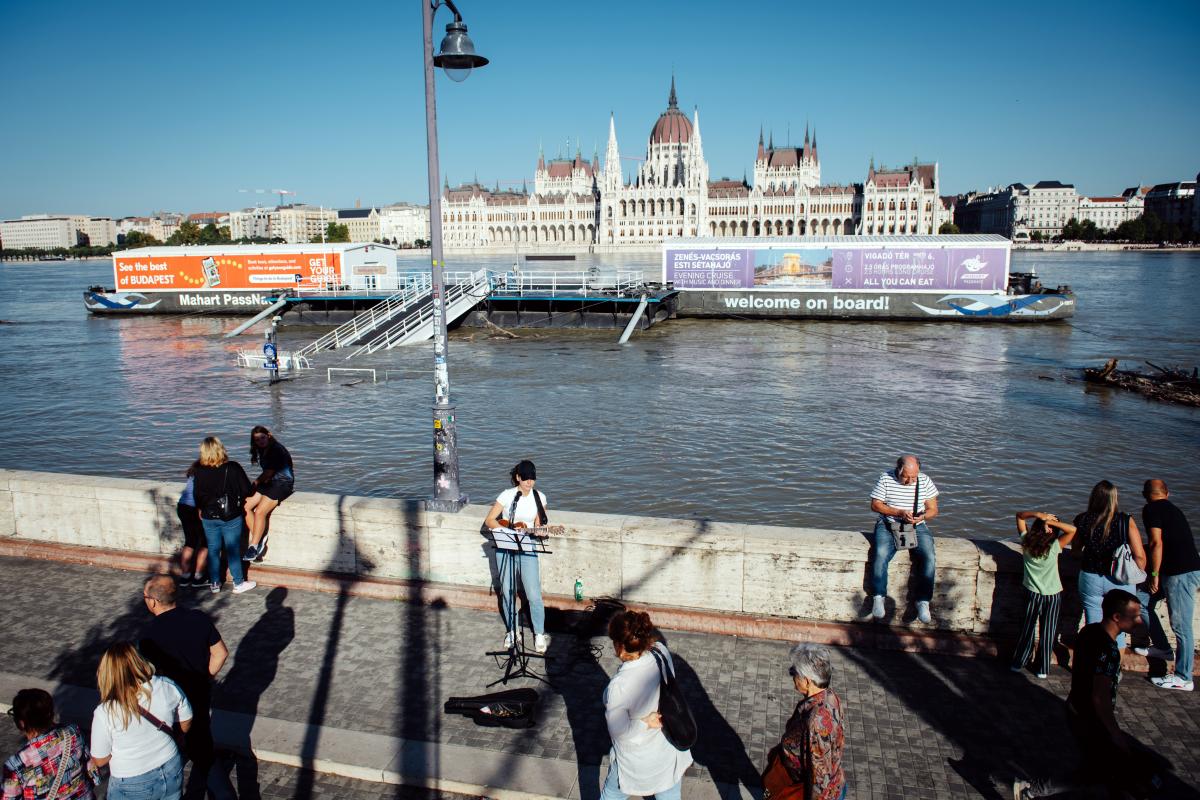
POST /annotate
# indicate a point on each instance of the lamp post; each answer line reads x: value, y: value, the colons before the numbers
x: 457, y: 57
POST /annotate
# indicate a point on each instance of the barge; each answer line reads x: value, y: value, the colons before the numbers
x: 957, y: 277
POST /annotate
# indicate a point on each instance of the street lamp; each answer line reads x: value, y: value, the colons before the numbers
x: 457, y: 57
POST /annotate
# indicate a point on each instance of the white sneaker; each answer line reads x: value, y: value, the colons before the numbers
x: 923, y: 611
x: 244, y: 586
x: 877, y: 610
x: 1173, y: 682
x: 215, y: 588
x: 541, y: 643
x: 510, y: 639
x: 1142, y: 651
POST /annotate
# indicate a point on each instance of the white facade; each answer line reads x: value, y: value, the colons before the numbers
x: 1107, y: 213
x: 403, y: 223
x: 47, y: 232
x: 100, y: 231
x: 150, y: 226
x: 1046, y: 207
x: 40, y: 232
x: 574, y: 202
x: 295, y: 224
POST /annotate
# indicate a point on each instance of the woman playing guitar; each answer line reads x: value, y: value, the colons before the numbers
x: 521, y: 507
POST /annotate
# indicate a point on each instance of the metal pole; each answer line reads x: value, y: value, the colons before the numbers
x: 446, y: 494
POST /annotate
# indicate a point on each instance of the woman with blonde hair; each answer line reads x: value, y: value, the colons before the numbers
x: 1100, y: 531
x: 133, y: 727
x: 221, y: 491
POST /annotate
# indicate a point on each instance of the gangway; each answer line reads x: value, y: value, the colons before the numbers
x: 351, y: 332
x: 417, y: 326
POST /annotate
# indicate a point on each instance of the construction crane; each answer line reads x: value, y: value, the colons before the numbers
x: 281, y: 192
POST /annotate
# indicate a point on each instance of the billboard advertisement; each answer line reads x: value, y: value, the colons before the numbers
x: 981, y: 268
x: 224, y: 271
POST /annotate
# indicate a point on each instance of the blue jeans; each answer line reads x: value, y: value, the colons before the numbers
x: 160, y: 783
x: 1092, y: 588
x: 885, y: 550
x: 1181, y: 604
x: 612, y: 791
x: 1154, y: 628
x: 531, y: 582
x: 227, y: 534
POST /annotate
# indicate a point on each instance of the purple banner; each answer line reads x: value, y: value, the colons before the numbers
x: 977, y: 268
x: 703, y: 268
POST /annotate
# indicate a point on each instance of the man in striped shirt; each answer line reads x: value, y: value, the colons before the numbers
x: 905, y: 499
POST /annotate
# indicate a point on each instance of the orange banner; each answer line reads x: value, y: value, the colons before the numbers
x: 221, y: 271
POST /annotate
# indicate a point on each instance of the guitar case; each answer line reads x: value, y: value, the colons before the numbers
x: 513, y: 708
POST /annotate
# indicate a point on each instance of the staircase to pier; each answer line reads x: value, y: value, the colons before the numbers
x: 417, y: 325
x: 416, y: 293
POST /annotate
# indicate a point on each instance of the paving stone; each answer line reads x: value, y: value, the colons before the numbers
x: 918, y: 725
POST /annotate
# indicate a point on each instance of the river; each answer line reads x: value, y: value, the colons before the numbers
x: 782, y: 423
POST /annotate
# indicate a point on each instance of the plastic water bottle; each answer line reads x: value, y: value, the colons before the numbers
x: 578, y: 588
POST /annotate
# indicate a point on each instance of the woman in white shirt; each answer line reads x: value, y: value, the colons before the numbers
x: 642, y: 761
x: 521, y: 506
x: 129, y: 727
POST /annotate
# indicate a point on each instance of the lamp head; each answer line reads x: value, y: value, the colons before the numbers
x: 457, y: 55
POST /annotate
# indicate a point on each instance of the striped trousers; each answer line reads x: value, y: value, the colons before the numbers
x: 1041, y: 610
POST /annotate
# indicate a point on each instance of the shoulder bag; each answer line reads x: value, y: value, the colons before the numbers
x: 678, y: 724
x: 1125, y: 570
x: 175, y: 735
x: 907, y: 539
x: 777, y: 782
x: 67, y: 741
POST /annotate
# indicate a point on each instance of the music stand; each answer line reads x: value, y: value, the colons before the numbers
x: 510, y: 546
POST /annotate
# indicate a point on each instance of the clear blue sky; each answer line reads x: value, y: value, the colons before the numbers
x: 124, y: 108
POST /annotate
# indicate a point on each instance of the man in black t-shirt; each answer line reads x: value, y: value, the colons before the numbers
x: 1174, y: 566
x: 185, y: 646
x: 1111, y: 759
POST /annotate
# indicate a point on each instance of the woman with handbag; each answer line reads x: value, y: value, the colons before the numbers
x: 807, y: 762
x: 221, y: 489
x: 1110, y: 551
x: 642, y: 762
x: 133, y: 728
x: 55, y: 762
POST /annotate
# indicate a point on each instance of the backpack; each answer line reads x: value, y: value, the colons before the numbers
x: 225, y: 506
x: 678, y: 724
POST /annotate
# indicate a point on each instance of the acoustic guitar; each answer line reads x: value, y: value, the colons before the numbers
x: 537, y: 532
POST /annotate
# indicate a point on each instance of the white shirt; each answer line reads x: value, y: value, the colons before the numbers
x: 647, y: 762
x: 526, y: 506
x: 141, y: 747
x: 899, y: 495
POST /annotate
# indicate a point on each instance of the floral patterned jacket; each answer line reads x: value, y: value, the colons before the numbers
x: 812, y: 746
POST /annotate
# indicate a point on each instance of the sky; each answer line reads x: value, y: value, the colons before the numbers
x: 120, y: 109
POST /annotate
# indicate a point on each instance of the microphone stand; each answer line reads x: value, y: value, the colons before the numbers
x: 517, y: 657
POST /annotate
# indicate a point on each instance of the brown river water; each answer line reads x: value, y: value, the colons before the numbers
x: 782, y: 423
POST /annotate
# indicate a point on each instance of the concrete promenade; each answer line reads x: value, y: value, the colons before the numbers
x: 353, y: 686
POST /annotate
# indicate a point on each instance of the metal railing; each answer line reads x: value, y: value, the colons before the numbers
x: 461, y: 297
x: 249, y: 359
x: 370, y: 320
x: 583, y: 283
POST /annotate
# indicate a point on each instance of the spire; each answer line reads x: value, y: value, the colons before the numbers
x: 446, y: 182
x: 814, y: 147
x: 771, y: 141
x: 761, y: 153
x: 671, y: 101
x: 541, y: 158
x: 806, y: 135
x: 696, y: 124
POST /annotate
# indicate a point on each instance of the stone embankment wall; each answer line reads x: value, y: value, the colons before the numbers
x: 755, y: 570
